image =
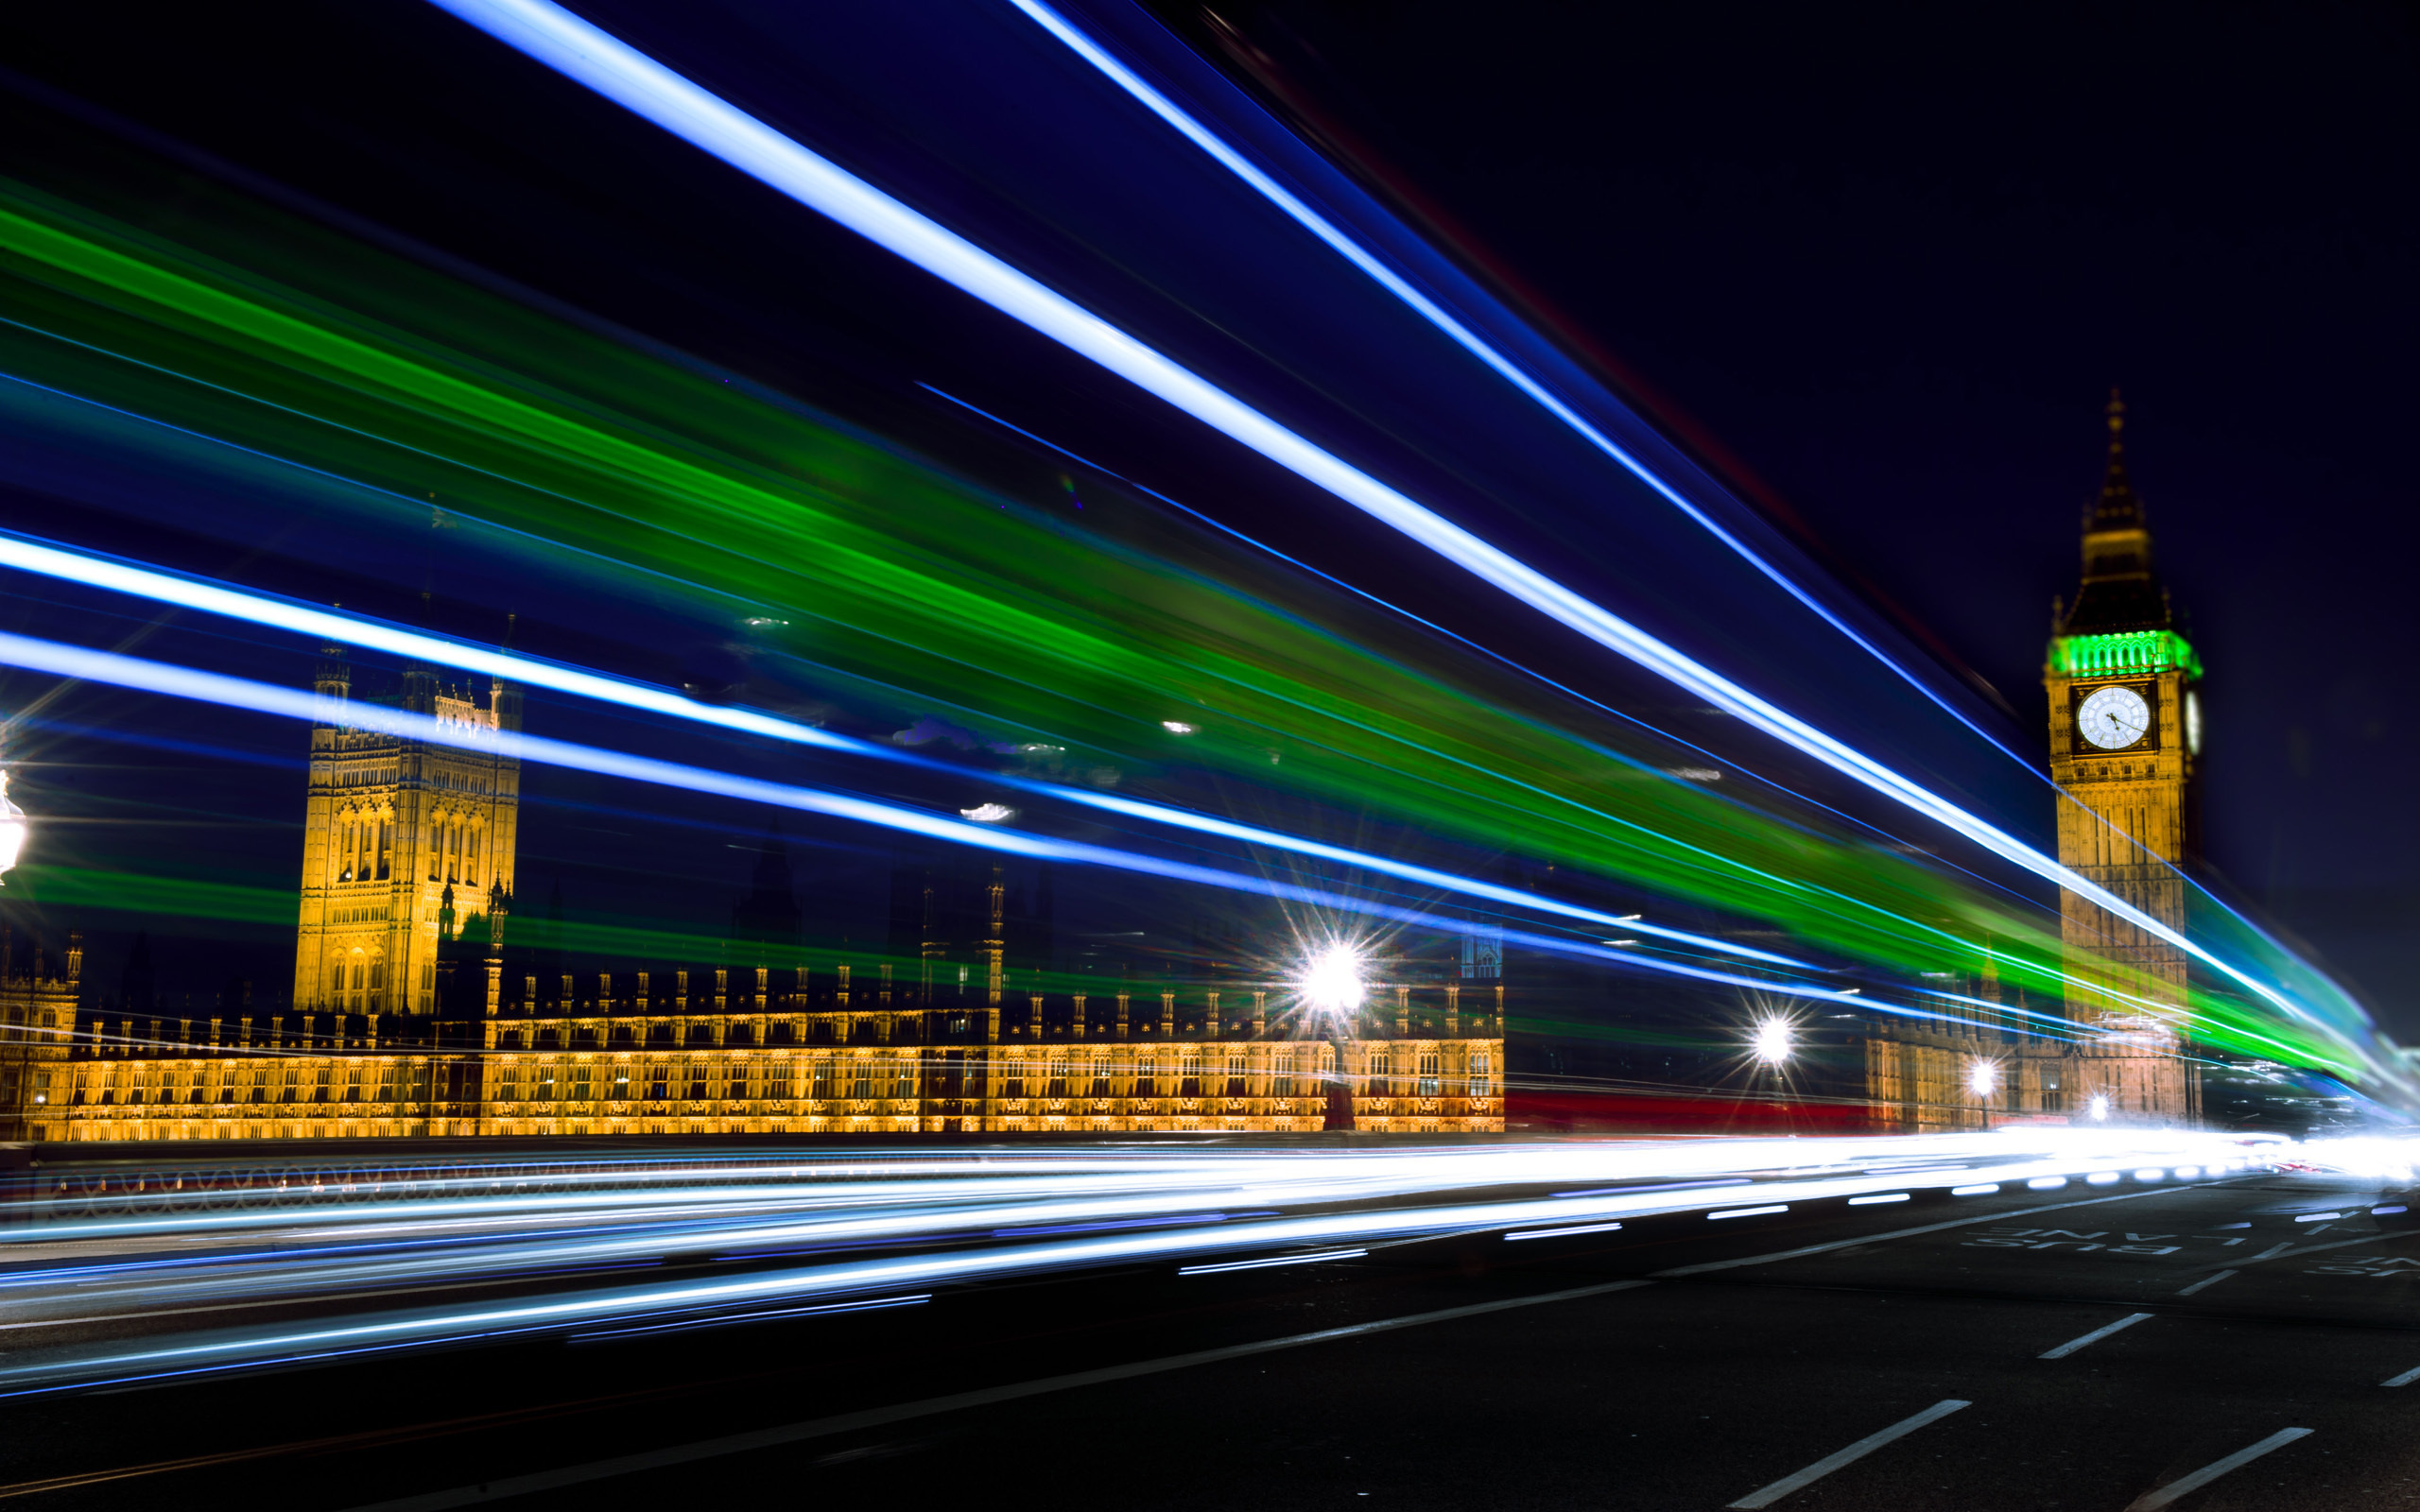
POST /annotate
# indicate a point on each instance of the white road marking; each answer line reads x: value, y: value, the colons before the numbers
x: 2095, y: 1337
x: 1766, y: 1496
x: 930, y: 1406
x: 1323, y: 1255
x: 1887, y: 1196
x: 2153, y: 1500
x: 2404, y: 1380
x: 2206, y: 1280
x: 1750, y: 1213
x: 2274, y: 1251
x: 1557, y: 1233
x: 1709, y: 1267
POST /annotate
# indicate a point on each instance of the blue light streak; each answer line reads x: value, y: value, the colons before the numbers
x: 186, y: 591
x: 237, y: 692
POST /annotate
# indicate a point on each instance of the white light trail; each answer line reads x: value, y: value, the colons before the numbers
x: 909, y: 1214
x: 613, y: 68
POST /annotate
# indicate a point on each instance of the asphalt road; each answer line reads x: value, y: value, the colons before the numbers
x: 1677, y: 1362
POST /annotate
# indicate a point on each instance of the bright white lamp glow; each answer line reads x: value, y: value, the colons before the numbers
x: 988, y: 813
x: 1982, y: 1078
x: 13, y: 829
x: 2098, y: 1107
x: 1770, y: 1041
x: 1176, y: 726
x: 1331, y: 980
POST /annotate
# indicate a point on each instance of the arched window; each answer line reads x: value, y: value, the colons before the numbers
x: 386, y: 846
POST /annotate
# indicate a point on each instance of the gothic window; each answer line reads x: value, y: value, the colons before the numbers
x: 507, y: 1085
x: 353, y: 1085
x: 1058, y: 1086
x: 1190, y: 1084
x: 778, y: 1088
x: 1478, y: 1075
x: 1100, y: 1077
x: 1235, y: 1074
x: 905, y: 1086
x: 861, y: 1079
x: 1429, y: 1074
x: 545, y: 1089
x: 386, y: 846
x: 1146, y: 1079
x: 579, y: 1085
x: 739, y: 1083
x: 1380, y: 1067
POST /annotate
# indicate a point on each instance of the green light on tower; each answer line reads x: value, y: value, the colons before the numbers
x: 2133, y: 651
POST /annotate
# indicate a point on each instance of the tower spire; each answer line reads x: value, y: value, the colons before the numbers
x: 2116, y: 508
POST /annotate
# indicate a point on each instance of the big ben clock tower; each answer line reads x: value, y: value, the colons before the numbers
x: 2125, y: 739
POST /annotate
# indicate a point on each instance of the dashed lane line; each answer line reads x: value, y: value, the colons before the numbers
x: 1766, y: 1496
x: 1712, y: 1265
x: 2206, y: 1280
x: 2096, y: 1335
x: 2153, y: 1500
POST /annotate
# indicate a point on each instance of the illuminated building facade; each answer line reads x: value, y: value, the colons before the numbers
x: 36, y: 1026
x: 408, y: 866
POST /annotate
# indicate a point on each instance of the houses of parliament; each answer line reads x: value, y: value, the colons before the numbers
x: 411, y: 1019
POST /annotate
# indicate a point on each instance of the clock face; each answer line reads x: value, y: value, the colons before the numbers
x: 2114, y: 718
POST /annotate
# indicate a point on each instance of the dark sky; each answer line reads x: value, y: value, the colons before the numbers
x: 1893, y: 258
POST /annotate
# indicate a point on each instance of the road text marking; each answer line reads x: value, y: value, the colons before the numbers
x: 1769, y: 1495
x: 2206, y: 1280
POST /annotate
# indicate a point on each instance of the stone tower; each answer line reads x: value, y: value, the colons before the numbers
x: 2125, y: 740
x: 390, y: 826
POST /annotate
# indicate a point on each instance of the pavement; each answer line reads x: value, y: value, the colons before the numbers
x: 2251, y: 1342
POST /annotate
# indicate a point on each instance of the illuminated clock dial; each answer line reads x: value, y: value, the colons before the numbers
x: 2114, y: 718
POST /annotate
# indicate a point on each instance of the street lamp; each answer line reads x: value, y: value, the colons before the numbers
x: 1982, y: 1077
x: 13, y: 829
x: 1330, y: 981
x: 1771, y: 1040
x: 2098, y: 1106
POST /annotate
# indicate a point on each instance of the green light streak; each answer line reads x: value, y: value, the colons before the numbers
x: 911, y: 589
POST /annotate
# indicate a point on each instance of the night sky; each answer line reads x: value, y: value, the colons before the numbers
x: 1893, y: 259
x: 1879, y: 267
